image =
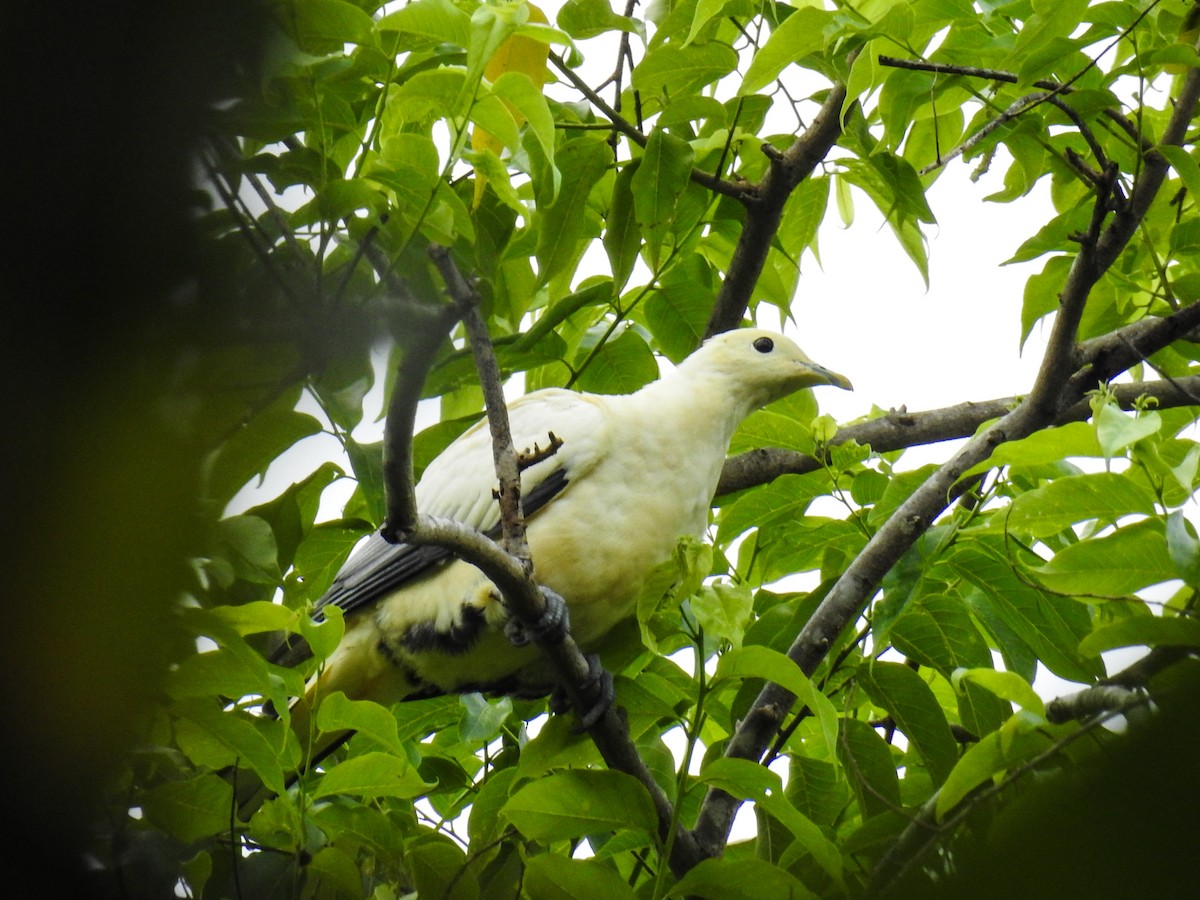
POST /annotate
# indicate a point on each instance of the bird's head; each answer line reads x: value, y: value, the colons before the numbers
x: 764, y: 365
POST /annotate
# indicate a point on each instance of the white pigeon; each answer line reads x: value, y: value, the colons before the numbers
x: 633, y: 474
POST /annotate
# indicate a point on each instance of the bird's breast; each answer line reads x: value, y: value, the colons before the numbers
x: 597, y: 546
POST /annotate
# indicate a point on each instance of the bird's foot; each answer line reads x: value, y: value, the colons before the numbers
x: 552, y: 626
x: 599, y: 684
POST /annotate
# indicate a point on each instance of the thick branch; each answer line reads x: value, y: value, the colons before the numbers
x: 764, y: 210
x: 1089, y: 702
x: 1103, y: 358
x: 420, y: 349
x: 900, y: 430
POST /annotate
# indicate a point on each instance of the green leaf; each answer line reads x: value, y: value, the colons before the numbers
x: 1129, y: 559
x: 410, y: 167
x: 491, y: 114
x: 1117, y: 429
x: 334, y: 870
x: 657, y: 185
x: 1105, y: 496
x: 192, y: 809
x: 868, y: 761
x: 253, y: 448
x: 1050, y: 625
x: 438, y: 20
x: 1007, y: 685
x: 583, y: 19
x: 1139, y: 631
x: 324, y: 24
x: 373, y: 774
x: 786, y: 498
x: 979, y: 764
x: 802, y: 216
x: 706, y: 11
x: 248, y: 543
x: 676, y: 71
x: 1184, y: 548
x: 1184, y: 165
x: 491, y: 26
x: 845, y: 201
x: 668, y: 585
x: 518, y: 89
x: 554, y: 877
x: 227, y: 672
x: 483, y: 719
x: 428, y: 95
x: 321, y: 555
x: 936, y: 630
x: 485, y: 823
x: 622, y: 239
x: 741, y: 879
x: 815, y: 788
x: 723, y: 610
x: 748, y: 780
x: 916, y: 711
x: 257, y: 617
x: 754, y: 661
x: 677, y: 313
x: 561, y: 226
x: 437, y: 865
x: 621, y: 366
x: 1043, y: 448
x: 365, y: 826
x: 800, y: 35
x: 367, y: 462
x: 580, y: 802
x: 339, y: 713
x: 323, y: 636
x: 209, y: 736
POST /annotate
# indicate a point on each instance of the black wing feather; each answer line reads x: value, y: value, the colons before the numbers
x: 379, y: 568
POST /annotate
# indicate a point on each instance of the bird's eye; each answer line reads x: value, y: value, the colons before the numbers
x: 764, y: 345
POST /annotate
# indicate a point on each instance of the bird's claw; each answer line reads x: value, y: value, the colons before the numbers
x: 599, y: 684
x: 552, y: 626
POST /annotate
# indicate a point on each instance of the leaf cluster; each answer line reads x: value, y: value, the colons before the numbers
x: 608, y: 220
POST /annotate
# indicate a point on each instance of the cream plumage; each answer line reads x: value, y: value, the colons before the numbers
x: 633, y: 474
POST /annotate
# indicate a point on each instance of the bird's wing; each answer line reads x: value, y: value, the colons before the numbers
x: 459, y: 485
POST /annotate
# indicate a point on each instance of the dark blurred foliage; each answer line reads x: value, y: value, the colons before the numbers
x: 1124, y: 824
x: 104, y: 105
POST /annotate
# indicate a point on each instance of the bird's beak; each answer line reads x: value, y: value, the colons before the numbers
x: 822, y: 375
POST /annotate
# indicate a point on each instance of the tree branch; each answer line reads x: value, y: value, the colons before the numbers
x: 423, y: 340
x: 1097, y: 700
x: 899, y: 430
x: 764, y: 210
x: 1050, y: 396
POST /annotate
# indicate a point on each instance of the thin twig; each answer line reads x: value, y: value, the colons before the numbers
x: 625, y: 127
